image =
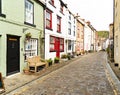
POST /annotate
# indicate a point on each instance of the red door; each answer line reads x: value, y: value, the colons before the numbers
x: 57, y: 47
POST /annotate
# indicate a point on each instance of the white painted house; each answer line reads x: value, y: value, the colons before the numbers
x: 70, y: 36
x: 55, y: 31
x: 89, y: 37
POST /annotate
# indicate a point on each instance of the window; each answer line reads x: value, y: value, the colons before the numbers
x: 69, y: 28
x: 74, y: 20
x: 74, y: 31
x: 31, y: 48
x: 29, y: 12
x: 52, y: 43
x: 56, y: 43
x: 48, y: 19
x: 61, y: 44
x: 69, y: 45
x: 82, y: 36
x: 78, y: 35
x: 2, y: 15
x: 58, y: 24
x: 52, y: 2
x: 69, y: 16
x: 61, y: 8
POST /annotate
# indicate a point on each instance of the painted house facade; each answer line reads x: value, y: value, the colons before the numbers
x: 79, y: 49
x: 55, y: 28
x: 117, y: 31
x: 87, y: 37
x: 17, y: 20
x: 70, y: 37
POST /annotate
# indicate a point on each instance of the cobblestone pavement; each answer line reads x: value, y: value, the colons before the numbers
x: 85, y: 76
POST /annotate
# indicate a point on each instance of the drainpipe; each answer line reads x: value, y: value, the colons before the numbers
x: 44, y: 27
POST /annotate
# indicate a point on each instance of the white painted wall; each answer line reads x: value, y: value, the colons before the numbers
x: 56, y: 11
x: 87, y: 38
x: 67, y: 36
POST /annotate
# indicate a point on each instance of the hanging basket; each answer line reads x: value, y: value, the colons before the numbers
x: 28, y: 36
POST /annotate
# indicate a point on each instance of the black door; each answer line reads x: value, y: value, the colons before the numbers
x: 12, y: 54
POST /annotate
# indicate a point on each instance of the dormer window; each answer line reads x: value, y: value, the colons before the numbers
x: 61, y: 8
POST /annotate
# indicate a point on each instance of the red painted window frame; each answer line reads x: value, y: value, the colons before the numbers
x: 62, y: 43
x: 52, y: 43
x: 59, y: 24
x: 51, y: 2
x: 50, y: 20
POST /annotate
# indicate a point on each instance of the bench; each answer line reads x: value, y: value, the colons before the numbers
x: 35, y: 62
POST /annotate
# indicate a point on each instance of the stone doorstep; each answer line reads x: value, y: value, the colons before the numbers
x: 2, y: 90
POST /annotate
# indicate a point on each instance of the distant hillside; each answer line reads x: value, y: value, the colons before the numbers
x: 103, y: 34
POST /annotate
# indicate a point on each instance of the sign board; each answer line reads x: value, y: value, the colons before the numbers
x: 2, y: 88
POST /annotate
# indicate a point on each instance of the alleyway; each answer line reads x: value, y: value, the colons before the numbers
x: 85, y: 76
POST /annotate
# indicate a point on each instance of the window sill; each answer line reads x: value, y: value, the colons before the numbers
x: 49, y: 28
x: 2, y: 15
x: 52, y: 51
x: 62, y: 51
x: 59, y: 32
x: 30, y: 24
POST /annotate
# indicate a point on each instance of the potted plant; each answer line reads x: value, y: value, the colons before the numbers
x: 26, y: 70
x: 28, y: 36
x: 68, y: 56
x: 64, y: 57
x: 56, y: 60
x: 50, y: 61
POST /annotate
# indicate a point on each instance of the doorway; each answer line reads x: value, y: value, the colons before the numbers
x: 13, y: 60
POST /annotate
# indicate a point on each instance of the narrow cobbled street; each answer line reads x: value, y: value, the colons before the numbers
x: 84, y: 76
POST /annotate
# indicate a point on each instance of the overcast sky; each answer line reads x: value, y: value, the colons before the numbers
x: 98, y: 12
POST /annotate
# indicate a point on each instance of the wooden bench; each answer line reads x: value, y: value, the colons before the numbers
x: 35, y: 62
x: 2, y: 87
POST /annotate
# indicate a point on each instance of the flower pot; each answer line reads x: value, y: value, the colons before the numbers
x: 26, y: 71
x: 50, y: 63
